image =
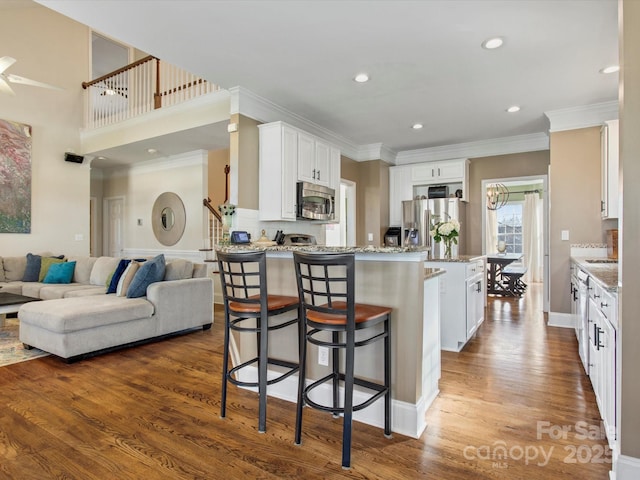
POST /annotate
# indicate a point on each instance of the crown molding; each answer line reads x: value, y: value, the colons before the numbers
x: 482, y: 148
x: 582, y: 117
x: 196, y: 157
x: 245, y: 102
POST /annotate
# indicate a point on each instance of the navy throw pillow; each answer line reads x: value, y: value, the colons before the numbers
x: 32, y: 272
x: 149, y: 272
x: 113, y: 285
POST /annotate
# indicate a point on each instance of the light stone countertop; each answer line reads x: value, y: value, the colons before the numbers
x: 605, y: 273
x: 318, y: 248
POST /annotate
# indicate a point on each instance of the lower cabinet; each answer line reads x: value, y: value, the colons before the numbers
x: 460, y: 319
x: 602, y: 355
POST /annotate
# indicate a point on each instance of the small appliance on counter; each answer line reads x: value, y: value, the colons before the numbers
x: 393, y: 237
x: 298, y: 239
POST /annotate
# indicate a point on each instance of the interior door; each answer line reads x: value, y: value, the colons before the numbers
x: 113, y: 226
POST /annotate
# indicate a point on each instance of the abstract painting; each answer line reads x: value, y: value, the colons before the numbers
x: 15, y: 177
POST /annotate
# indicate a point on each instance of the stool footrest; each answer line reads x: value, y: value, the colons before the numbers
x: 292, y: 368
x: 380, y: 390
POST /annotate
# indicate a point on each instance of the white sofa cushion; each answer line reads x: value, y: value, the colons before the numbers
x: 14, y: 268
x: 102, y: 268
x: 178, y: 269
x: 80, y: 313
x: 82, y: 272
x: 50, y: 292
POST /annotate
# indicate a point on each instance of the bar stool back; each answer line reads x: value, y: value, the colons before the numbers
x: 249, y: 308
x: 326, y: 290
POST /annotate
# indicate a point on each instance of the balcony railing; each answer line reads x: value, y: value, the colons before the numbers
x: 139, y: 88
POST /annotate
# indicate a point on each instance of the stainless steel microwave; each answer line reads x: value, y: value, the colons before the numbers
x: 315, y: 202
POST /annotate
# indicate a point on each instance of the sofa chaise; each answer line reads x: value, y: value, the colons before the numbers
x: 79, y: 318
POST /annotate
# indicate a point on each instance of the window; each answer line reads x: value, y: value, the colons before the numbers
x: 510, y: 226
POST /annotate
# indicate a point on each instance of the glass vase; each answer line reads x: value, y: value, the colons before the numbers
x: 447, y: 248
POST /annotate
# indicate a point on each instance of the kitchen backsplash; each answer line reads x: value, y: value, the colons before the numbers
x: 247, y: 219
x: 596, y: 250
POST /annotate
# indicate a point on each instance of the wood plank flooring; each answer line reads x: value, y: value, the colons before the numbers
x: 151, y: 412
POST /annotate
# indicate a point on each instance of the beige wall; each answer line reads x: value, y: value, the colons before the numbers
x: 244, y: 157
x: 141, y: 186
x: 574, y: 193
x: 501, y: 166
x: 60, y: 190
x: 629, y: 326
x: 372, y: 197
x: 218, y: 159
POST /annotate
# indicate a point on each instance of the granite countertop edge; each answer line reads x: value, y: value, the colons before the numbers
x: 318, y: 248
x: 605, y: 273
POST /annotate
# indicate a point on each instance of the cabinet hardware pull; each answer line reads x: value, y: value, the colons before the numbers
x: 318, y: 175
x: 432, y: 173
x: 438, y: 171
x: 314, y: 173
x: 596, y: 296
x: 602, y: 305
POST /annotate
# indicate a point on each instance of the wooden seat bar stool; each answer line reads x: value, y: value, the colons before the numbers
x: 249, y: 308
x: 326, y: 290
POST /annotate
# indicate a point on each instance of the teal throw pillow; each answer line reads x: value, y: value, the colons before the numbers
x: 149, y: 272
x: 32, y: 271
x: 60, y: 273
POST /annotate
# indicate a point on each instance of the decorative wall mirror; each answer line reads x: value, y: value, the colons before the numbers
x: 168, y: 218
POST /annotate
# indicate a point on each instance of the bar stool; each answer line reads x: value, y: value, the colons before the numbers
x: 248, y: 308
x: 326, y: 290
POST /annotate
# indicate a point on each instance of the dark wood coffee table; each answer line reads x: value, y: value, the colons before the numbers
x: 11, y: 303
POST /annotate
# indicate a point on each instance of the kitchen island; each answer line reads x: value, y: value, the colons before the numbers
x: 391, y: 276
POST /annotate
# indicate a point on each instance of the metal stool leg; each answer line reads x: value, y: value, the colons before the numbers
x: 302, y: 349
x: 225, y: 365
x: 348, y: 400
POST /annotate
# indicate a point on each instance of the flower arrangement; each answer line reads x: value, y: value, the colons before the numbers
x: 227, y: 209
x: 448, y: 232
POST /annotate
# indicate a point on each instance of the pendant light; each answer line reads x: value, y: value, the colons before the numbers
x: 497, y: 196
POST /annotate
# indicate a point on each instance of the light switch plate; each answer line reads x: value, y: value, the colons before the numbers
x: 370, y: 237
x: 564, y: 235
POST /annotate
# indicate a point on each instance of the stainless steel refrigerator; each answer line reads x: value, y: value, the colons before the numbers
x: 419, y: 215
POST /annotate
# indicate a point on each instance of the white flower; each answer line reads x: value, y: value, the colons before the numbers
x: 445, y: 229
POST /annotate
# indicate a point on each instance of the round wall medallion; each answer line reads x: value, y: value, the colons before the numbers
x: 168, y: 218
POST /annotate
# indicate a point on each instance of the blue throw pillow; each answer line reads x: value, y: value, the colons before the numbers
x: 60, y: 273
x: 149, y: 272
x: 113, y: 285
x: 32, y: 272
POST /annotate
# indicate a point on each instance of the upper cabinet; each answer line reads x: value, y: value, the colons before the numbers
x: 438, y: 172
x: 609, y: 164
x: 314, y: 160
x: 406, y: 181
x: 289, y: 155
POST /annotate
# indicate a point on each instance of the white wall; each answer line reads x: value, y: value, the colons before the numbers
x: 184, y: 175
x: 60, y: 190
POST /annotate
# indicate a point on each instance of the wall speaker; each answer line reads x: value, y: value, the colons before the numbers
x: 72, y: 157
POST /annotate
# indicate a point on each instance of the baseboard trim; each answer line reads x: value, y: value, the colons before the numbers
x: 557, y: 319
x: 626, y: 468
x: 406, y: 418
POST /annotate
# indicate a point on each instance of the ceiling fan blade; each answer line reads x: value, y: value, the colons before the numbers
x: 5, y: 88
x: 6, y: 62
x: 28, y: 81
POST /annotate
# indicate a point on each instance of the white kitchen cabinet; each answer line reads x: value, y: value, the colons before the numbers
x: 289, y: 155
x: 278, y: 171
x: 400, y: 189
x: 602, y: 323
x: 462, y: 300
x: 438, y: 172
x: 314, y: 160
x: 609, y: 189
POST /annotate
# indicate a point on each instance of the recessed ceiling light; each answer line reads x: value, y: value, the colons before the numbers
x: 109, y: 91
x: 491, y: 43
x: 513, y: 109
x: 361, y: 78
x: 417, y: 126
x: 102, y: 158
x: 151, y: 151
x: 610, y: 69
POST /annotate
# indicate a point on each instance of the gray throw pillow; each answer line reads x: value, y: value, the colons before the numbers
x: 32, y: 272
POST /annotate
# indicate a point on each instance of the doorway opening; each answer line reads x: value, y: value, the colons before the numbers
x: 343, y: 234
x: 518, y: 224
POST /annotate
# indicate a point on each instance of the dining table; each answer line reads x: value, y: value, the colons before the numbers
x: 495, y: 265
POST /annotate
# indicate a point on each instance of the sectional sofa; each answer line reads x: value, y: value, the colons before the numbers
x: 79, y: 318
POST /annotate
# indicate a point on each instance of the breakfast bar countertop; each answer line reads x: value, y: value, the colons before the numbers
x: 319, y: 248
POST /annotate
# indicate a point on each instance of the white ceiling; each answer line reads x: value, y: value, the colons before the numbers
x: 424, y: 59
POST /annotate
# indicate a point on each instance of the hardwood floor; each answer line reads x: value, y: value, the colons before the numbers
x: 151, y: 412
